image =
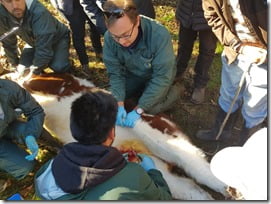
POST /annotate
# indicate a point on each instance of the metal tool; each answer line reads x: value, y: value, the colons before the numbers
x: 241, y: 83
x: 8, y: 33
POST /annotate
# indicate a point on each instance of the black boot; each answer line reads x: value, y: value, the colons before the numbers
x: 227, y: 131
x: 247, y: 132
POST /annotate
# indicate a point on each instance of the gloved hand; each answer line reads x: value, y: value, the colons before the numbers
x: 131, y: 119
x: 32, y: 145
x: 35, y: 70
x: 254, y: 54
x: 146, y: 162
x: 121, y: 116
x: 20, y: 69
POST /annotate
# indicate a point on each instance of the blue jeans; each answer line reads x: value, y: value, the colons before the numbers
x: 253, y: 96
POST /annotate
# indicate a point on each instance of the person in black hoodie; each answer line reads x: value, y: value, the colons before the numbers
x: 193, y: 25
x: 91, y: 169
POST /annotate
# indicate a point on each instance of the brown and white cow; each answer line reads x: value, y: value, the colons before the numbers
x: 160, y: 137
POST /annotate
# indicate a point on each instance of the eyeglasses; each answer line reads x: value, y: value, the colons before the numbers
x: 124, y: 37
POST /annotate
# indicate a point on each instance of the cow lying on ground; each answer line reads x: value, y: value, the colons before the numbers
x: 160, y: 137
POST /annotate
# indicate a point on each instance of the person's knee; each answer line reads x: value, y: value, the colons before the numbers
x: 19, y: 170
x: 167, y: 102
x: 61, y: 67
x: 23, y: 170
x: 27, y: 56
x: 12, y: 160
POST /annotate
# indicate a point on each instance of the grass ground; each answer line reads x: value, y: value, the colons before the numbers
x: 188, y: 116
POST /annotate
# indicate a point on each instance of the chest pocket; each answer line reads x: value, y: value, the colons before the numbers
x: 146, y: 62
x: 142, y: 65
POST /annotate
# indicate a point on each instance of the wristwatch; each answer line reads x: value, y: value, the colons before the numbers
x: 139, y: 111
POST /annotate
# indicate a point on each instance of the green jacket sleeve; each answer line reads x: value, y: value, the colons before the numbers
x: 10, y: 47
x: 149, y: 185
x: 164, y: 70
x: 31, y: 109
x: 44, y: 30
x: 115, y: 70
x: 160, y: 182
x: 9, y: 44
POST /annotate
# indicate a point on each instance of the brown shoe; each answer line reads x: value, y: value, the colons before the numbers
x: 198, y: 95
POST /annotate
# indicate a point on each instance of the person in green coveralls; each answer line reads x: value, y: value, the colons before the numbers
x: 21, y: 121
x: 140, y: 62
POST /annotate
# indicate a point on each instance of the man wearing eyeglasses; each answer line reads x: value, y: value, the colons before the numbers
x: 139, y: 58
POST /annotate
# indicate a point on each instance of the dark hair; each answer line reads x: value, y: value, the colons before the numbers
x: 115, y: 9
x: 93, y: 115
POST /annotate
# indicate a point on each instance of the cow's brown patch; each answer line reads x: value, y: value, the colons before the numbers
x: 54, y: 84
x: 157, y: 122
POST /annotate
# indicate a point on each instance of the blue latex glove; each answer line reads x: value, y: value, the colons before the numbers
x: 32, y: 145
x: 131, y: 119
x: 146, y: 162
x: 121, y: 116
